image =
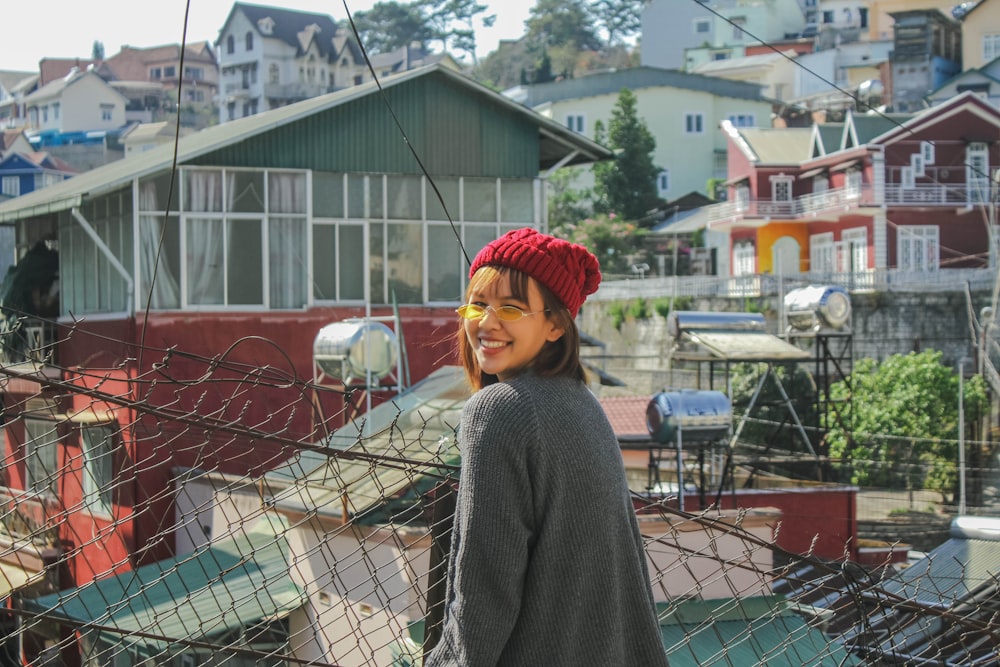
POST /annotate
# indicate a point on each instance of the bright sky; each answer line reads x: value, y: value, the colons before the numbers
x: 68, y: 28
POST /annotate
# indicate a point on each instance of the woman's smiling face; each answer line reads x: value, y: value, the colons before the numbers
x: 504, y: 348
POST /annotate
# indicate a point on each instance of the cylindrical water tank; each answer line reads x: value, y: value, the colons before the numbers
x: 679, y: 321
x: 818, y: 307
x: 349, y: 349
x: 699, y: 415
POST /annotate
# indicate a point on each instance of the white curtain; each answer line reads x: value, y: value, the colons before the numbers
x: 287, y: 240
x: 206, y: 276
x: 158, y: 282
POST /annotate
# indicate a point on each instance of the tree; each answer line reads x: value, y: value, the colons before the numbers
x: 97, y: 51
x: 613, y: 241
x: 567, y: 205
x: 388, y: 26
x: 620, y: 19
x: 898, y: 421
x: 561, y: 23
x: 627, y: 185
x: 454, y: 23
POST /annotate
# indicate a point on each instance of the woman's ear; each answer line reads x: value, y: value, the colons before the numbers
x: 554, y: 333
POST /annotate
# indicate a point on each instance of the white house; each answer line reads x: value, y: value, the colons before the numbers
x: 79, y: 102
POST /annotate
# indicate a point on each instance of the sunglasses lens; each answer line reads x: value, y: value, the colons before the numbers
x: 509, y: 313
x: 470, y: 311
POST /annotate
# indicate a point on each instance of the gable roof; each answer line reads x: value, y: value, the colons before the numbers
x: 11, y: 78
x: 635, y: 78
x: 288, y: 24
x: 966, y: 101
x: 51, y: 69
x: 41, y: 160
x: 55, y: 88
x: 557, y: 143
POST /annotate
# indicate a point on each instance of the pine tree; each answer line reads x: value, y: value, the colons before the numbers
x: 627, y: 186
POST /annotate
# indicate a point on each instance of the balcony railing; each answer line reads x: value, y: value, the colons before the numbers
x: 884, y: 280
x: 27, y: 340
x: 829, y: 201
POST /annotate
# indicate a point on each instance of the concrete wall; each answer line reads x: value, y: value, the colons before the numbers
x: 883, y: 324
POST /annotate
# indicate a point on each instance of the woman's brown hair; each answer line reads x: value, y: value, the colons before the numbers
x: 557, y: 358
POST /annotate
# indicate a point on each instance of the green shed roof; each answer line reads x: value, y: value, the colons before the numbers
x: 556, y: 144
x: 219, y: 587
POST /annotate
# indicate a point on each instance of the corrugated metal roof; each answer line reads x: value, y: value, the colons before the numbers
x: 611, y: 83
x: 779, y: 146
x: 557, y: 142
x: 222, y: 586
x: 744, y: 631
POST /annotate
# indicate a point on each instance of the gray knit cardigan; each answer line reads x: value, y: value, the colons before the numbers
x: 547, y: 564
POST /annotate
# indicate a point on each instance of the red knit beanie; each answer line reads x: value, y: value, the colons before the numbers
x: 569, y: 270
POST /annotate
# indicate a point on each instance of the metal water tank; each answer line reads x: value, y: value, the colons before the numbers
x: 349, y: 349
x: 699, y: 415
x: 679, y: 321
x: 818, y: 307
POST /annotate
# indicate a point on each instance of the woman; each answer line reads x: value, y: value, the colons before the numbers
x: 547, y: 564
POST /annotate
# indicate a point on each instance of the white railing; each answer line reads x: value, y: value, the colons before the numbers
x: 886, y: 280
x: 894, y: 194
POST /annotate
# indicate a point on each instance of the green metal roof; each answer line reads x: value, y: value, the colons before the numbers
x: 739, y: 632
x: 265, y: 139
x: 219, y: 587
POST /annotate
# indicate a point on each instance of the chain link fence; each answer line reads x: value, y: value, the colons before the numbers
x: 182, y: 510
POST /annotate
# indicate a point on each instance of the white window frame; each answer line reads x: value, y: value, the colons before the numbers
x: 918, y: 248
x: 781, y: 188
x: 41, y: 439
x: 853, y: 183
x: 97, y: 442
x: 855, y: 244
x: 822, y: 253
x: 907, y: 181
x: 820, y: 183
x: 991, y: 46
x: 11, y: 186
x: 576, y: 122
x: 927, y: 151
x: 743, y: 120
x: 663, y: 182
x: 917, y: 164
x: 694, y: 123
x: 698, y: 24
x: 977, y: 180
x: 744, y: 259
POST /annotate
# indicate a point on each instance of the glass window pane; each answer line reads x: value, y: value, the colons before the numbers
x: 287, y: 264
x: 244, y: 268
x: 153, y: 193
x: 405, y: 201
x: 328, y: 195
x: 449, y: 189
x: 203, y: 191
x: 406, y: 265
x: 324, y: 262
x: 351, y: 263
x: 445, y: 264
x: 480, y: 200
x: 476, y: 238
x: 204, y: 261
x: 364, y: 196
x: 245, y: 191
x: 376, y: 236
x: 286, y: 192
x: 98, y: 474
x: 517, y: 201
x: 159, y: 262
